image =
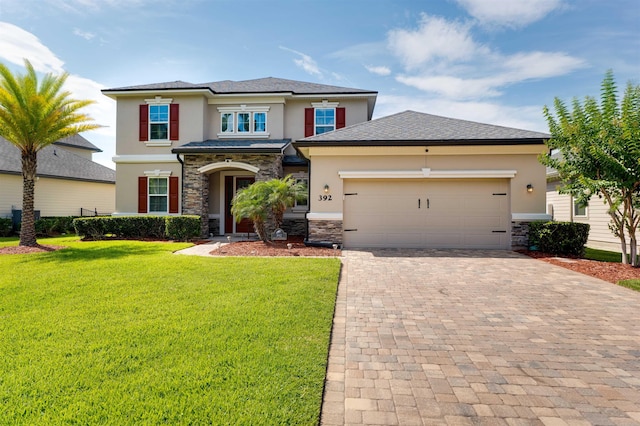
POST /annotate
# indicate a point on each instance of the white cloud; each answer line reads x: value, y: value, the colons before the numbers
x: 17, y: 44
x: 520, y: 117
x: 84, y: 34
x: 435, y: 39
x: 442, y: 57
x: 378, y: 70
x: 509, y: 13
x: 305, y: 62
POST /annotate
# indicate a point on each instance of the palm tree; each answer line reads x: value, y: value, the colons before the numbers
x: 251, y: 203
x: 33, y: 116
x: 282, y: 195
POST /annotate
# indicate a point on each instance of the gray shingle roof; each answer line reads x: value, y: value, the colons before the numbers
x: 56, y: 162
x: 78, y: 141
x: 261, y: 85
x: 233, y: 145
x: 417, y: 127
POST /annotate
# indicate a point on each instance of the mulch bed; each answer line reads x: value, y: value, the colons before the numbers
x: 26, y: 250
x: 607, y: 271
x: 275, y: 248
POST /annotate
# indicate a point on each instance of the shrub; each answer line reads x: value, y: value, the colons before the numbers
x: 182, y: 228
x: 138, y: 227
x: 50, y: 226
x: 566, y: 238
x: 6, y: 227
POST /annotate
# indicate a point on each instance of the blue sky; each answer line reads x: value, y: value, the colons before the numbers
x: 492, y: 61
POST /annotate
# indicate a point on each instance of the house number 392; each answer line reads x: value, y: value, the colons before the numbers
x: 324, y: 197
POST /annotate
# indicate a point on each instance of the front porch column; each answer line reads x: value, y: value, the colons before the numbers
x: 195, y: 196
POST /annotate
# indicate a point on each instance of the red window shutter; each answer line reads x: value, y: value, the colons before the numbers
x: 309, y: 118
x: 174, y: 118
x: 341, y: 118
x: 142, y: 194
x: 173, y: 194
x: 144, y: 122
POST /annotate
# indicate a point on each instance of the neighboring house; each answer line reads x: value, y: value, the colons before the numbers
x: 407, y: 180
x: 67, y: 179
x: 563, y: 207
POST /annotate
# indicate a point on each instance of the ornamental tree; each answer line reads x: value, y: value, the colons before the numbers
x: 599, y: 155
x: 33, y: 115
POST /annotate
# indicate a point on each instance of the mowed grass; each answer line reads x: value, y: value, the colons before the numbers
x: 128, y: 333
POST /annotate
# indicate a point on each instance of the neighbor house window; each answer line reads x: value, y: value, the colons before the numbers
x: 579, y: 209
x: 249, y: 121
x: 158, y: 195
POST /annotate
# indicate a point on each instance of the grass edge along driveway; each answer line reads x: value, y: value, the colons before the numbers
x: 125, y: 332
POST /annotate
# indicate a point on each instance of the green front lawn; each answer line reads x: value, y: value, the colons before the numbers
x: 125, y: 332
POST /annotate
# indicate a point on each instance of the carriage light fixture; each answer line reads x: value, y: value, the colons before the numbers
x: 326, y: 188
x: 529, y: 188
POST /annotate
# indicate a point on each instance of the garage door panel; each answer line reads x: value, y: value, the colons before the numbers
x: 427, y: 213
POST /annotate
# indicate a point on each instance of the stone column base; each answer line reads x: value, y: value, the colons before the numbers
x: 325, y: 231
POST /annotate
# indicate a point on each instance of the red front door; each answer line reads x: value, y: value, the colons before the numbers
x: 233, y: 184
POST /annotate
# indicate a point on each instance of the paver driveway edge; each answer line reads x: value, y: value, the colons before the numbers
x: 464, y: 338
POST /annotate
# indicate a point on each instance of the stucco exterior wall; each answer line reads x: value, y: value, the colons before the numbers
x: 57, y: 197
x: 328, y: 162
x: 192, y: 119
x: 126, y: 195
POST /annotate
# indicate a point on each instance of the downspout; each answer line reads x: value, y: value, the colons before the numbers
x: 181, y: 179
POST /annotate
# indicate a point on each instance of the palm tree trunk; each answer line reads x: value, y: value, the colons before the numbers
x: 28, y: 228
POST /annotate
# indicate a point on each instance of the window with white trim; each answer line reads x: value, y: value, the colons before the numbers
x: 159, y: 122
x: 158, y: 195
x: 579, y: 210
x: 325, y: 120
x: 243, y: 121
x: 302, y: 199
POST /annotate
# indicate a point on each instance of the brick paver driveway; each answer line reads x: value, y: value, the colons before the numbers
x: 480, y: 338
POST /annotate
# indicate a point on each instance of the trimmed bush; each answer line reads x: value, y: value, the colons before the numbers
x: 566, y: 238
x: 138, y: 227
x: 50, y: 226
x: 182, y: 228
x: 6, y: 227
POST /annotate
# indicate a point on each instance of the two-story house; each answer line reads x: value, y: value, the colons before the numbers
x: 407, y: 180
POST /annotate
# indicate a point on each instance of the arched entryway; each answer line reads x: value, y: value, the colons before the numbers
x: 224, y: 180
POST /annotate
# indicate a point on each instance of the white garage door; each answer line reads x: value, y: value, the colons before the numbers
x: 426, y: 213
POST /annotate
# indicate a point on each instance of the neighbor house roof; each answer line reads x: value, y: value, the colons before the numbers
x: 55, y: 162
x: 228, y: 146
x: 416, y: 128
x: 78, y: 141
x: 261, y: 85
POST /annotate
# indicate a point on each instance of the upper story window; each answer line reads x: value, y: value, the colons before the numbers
x: 159, y: 122
x: 243, y: 121
x: 325, y: 120
x: 323, y: 117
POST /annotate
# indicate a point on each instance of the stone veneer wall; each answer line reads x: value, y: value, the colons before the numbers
x: 519, y: 235
x: 325, y: 231
x: 195, y: 185
x: 296, y: 227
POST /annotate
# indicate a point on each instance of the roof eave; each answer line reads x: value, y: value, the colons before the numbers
x: 114, y: 94
x: 423, y: 142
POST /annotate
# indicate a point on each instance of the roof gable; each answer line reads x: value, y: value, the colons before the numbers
x: 411, y: 126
